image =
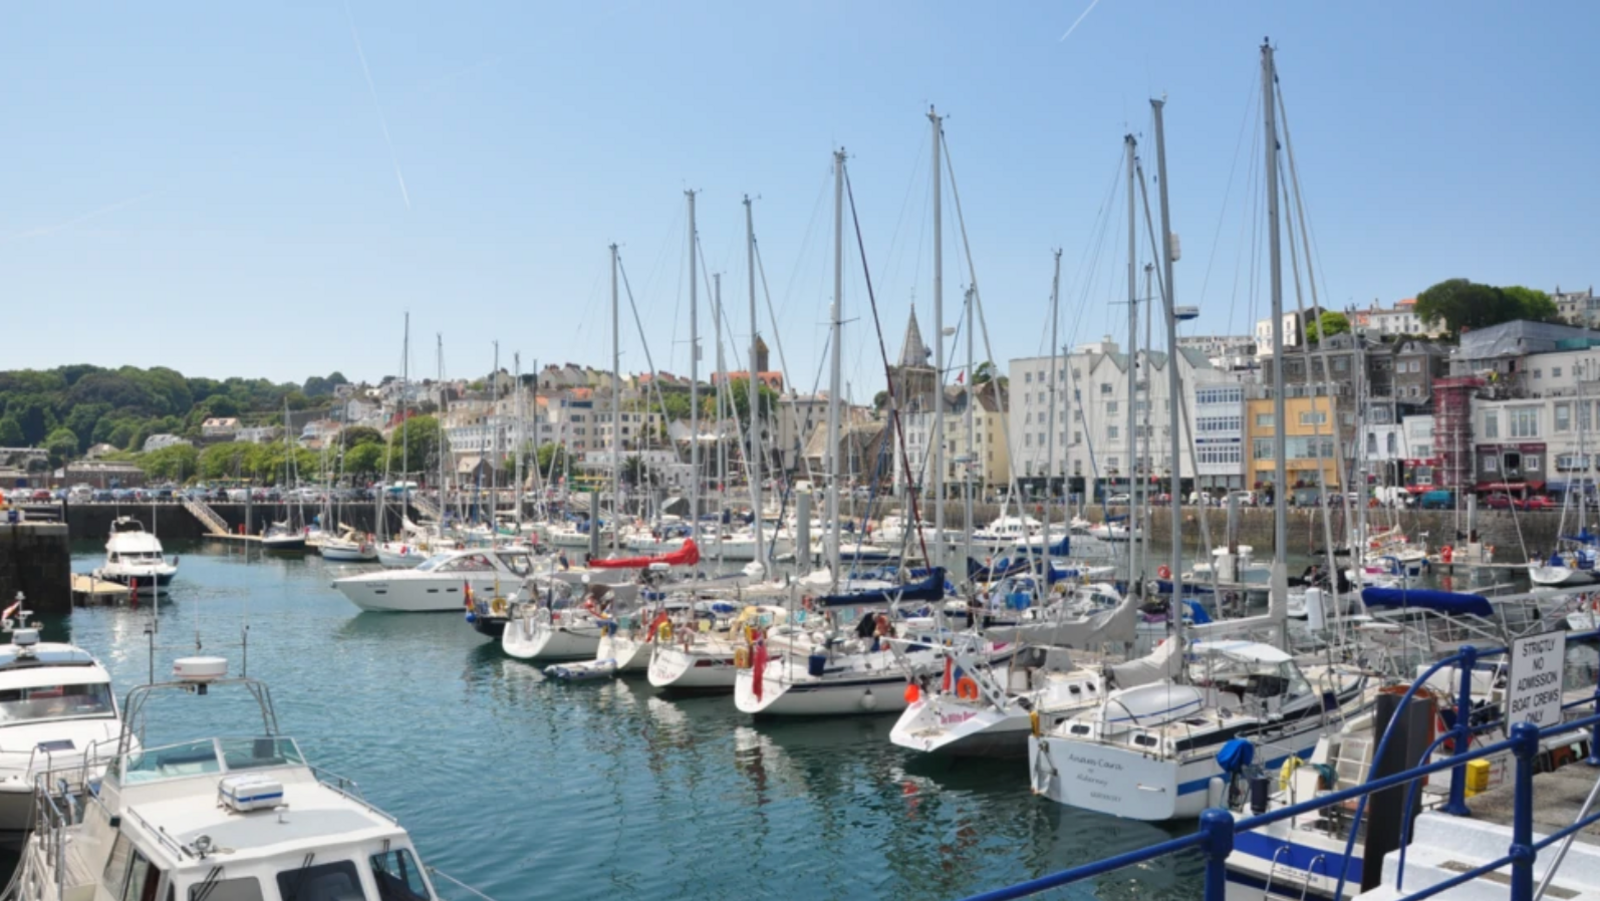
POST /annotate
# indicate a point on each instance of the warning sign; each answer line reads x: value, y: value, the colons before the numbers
x: 1534, y: 690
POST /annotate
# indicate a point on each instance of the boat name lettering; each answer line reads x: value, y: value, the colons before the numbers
x: 950, y: 719
x: 1094, y: 762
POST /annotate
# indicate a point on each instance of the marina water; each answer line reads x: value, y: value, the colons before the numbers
x: 532, y: 789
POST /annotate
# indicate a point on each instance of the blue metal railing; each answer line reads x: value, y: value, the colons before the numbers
x: 1214, y: 838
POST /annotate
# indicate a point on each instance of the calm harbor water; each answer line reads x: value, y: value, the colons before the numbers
x: 533, y: 789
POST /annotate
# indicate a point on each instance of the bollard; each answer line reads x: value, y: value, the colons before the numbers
x: 1525, y: 745
x: 1217, y: 826
x: 1457, y: 805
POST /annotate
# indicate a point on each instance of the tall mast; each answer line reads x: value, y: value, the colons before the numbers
x: 444, y: 482
x: 405, y: 448
x: 494, y: 460
x: 723, y: 388
x: 518, y: 437
x: 1133, y: 370
x: 834, y: 373
x: 1050, y: 436
x: 1173, y: 385
x: 754, y: 386
x: 972, y: 445
x: 938, y: 344
x: 1278, y: 598
x: 616, y: 408
x: 694, y: 383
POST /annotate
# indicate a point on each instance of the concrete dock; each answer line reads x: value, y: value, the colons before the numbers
x: 87, y: 590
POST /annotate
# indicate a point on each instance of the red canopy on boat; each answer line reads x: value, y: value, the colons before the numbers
x: 688, y: 555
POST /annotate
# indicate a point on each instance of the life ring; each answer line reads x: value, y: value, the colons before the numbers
x: 1446, y: 554
x: 664, y: 634
x: 967, y: 688
x: 1164, y: 571
x: 498, y: 606
x: 1287, y: 772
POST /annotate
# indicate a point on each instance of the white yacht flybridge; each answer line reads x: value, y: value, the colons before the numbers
x: 221, y: 818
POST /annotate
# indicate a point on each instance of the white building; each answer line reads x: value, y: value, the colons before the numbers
x: 1291, y: 331
x: 1401, y: 319
x: 1096, y: 446
x: 157, y: 442
x: 798, y: 416
x: 1219, y: 435
x: 984, y: 460
x: 1225, y: 351
x: 257, y: 434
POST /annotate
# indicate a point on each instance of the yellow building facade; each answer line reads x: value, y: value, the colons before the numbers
x: 1310, y: 438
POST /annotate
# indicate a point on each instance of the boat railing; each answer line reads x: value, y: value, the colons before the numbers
x: 1215, y: 836
x: 349, y: 789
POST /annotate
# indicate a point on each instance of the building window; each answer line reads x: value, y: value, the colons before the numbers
x: 1490, y: 464
x: 1530, y: 463
x: 1027, y: 379
x: 1524, y: 422
x: 1111, y: 407
x: 1563, y: 417
x: 1491, y: 424
x: 1555, y: 372
x: 1105, y: 387
x: 1394, y: 445
x: 1264, y: 421
x: 1315, y: 417
x: 1538, y: 373
x: 1111, y: 462
x: 1112, y: 432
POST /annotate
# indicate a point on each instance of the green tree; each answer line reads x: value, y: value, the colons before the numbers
x: 633, y: 470
x: 357, y: 435
x: 83, y: 419
x: 739, y: 393
x: 364, y: 460
x: 11, y: 433
x: 1330, y: 323
x: 551, y: 453
x: 62, y: 444
x: 414, y: 445
x: 170, y: 464
x: 1533, y: 304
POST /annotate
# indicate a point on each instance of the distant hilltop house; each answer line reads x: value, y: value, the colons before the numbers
x: 256, y: 434
x: 101, y: 450
x: 157, y: 442
x: 317, y: 431
x: 219, y: 427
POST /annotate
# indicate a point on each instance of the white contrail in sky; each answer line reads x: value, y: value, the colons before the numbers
x: 1081, y: 16
x: 42, y: 230
x: 383, y: 123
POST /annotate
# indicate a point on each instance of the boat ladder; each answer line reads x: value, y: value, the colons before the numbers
x: 1272, y: 872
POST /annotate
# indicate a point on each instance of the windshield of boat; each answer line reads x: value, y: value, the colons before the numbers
x: 55, y: 702
x: 208, y: 755
x: 517, y: 561
x: 136, y: 557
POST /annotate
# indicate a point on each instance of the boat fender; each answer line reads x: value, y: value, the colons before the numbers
x: 1033, y: 722
x: 869, y: 701
x: 913, y: 694
x: 1446, y: 554
x: 967, y: 688
x: 1163, y: 571
x: 1286, y: 773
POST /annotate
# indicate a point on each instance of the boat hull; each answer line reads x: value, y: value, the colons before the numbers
x: 962, y: 730
x: 400, y: 593
x: 671, y: 668
x: 536, y: 639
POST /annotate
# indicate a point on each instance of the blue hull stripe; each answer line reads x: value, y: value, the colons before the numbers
x: 1300, y: 857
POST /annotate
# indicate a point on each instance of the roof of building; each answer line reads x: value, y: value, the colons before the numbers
x: 1516, y: 338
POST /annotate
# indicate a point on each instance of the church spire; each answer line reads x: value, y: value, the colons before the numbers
x: 913, y: 353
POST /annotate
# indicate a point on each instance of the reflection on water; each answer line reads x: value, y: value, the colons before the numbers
x: 527, y: 787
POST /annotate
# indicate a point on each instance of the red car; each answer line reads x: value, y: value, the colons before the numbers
x: 1537, y: 502
x: 1498, y: 502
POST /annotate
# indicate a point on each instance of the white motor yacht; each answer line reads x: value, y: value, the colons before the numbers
x: 134, y: 558
x: 220, y: 818
x: 58, y: 720
x: 437, y: 585
x: 1150, y: 752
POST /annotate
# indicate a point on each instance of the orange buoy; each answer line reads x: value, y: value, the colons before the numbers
x: 967, y: 689
x: 913, y: 694
x: 1447, y: 553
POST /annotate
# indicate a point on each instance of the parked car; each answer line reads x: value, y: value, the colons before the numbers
x: 1537, y: 502
x: 1119, y: 499
x: 1438, y: 499
x: 1161, y: 500
x: 1498, y: 501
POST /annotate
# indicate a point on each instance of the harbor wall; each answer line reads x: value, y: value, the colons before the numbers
x: 92, y: 522
x: 36, y: 559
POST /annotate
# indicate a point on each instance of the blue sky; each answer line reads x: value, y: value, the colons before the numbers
x: 210, y: 186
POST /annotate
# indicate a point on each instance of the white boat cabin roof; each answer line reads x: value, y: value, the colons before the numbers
x: 1243, y: 651
x: 170, y: 800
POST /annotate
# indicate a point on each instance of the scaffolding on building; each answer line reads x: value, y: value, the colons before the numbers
x: 1452, y: 429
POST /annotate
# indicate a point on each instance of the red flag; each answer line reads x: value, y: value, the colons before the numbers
x: 758, y: 665
x: 655, y: 625
x: 961, y: 377
x: 949, y: 666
